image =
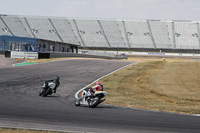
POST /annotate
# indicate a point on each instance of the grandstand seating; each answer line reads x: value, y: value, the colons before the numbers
x: 185, y: 35
x: 16, y: 26
x: 64, y: 29
x: 138, y: 34
x: 105, y: 33
x: 170, y: 30
x: 4, y: 30
x: 76, y: 32
x: 91, y: 33
x: 42, y: 28
x: 113, y: 34
x: 160, y: 34
x: 26, y: 26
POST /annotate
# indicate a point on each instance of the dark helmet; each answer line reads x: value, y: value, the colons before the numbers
x: 57, y: 78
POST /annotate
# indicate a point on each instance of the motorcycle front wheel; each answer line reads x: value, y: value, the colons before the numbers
x: 93, y: 102
x: 40, y: 94
x: 77, y: 102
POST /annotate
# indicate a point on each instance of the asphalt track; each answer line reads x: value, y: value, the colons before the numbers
x: 21, y: 107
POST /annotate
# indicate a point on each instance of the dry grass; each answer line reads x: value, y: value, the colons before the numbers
x: 6, y: 130
x: 45, y: 60
x: 172, y: 86
x: 54, y: 59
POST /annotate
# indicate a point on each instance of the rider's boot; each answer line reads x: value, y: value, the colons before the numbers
x: 54, y: 91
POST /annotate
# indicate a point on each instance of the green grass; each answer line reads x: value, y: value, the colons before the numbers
x: 22, y: 64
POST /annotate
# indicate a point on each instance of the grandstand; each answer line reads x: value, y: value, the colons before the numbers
x: 139, y: 35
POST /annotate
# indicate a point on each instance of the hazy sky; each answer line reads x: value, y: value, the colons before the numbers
x: 121, y: 9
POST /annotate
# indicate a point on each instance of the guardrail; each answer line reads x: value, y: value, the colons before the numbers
x: 124, y: 53
x: 36, y: 55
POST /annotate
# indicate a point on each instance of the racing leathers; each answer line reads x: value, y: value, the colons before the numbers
x: 97, y: 87
x: 91, y: 90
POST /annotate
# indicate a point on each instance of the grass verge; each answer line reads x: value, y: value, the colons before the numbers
x: 171, y: 86
x: 13, y: 130
x: 44, y: 60
x: 55, y: 59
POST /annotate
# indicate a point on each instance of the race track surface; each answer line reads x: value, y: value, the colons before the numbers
x: 21, y: 107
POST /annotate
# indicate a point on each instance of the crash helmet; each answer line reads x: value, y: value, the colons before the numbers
x: 98, y: 83
x: 57, y: 78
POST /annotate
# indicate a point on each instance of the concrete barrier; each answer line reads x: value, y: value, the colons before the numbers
x: 36, y: 55
x: 59, y: 54
x: 43, y: 55
x: 7, y: 54
x: 2, y: 52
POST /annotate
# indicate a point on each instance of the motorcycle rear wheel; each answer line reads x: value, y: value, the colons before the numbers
x: 47, y: 92
x: 93, y: 102
x: 40, y: 94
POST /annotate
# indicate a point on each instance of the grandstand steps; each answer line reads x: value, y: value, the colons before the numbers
x: 151, y: 35
x: 28, y: 27
x: 76, y: 26
x: 104, y: 33
x: 126, y: 34
x: 198, y: 30
x: 55, y: 30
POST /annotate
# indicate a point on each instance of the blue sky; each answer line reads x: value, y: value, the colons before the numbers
x: 120, y: 9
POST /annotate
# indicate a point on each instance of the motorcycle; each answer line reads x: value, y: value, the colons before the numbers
x: 92, y: 100
x: 49, y: 87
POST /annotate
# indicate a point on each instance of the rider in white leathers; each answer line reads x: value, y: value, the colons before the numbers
x: 89, y: 91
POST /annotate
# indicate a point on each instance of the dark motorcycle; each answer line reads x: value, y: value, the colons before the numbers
x: 49, y: 87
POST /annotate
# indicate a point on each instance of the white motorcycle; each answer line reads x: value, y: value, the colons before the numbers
x: 92, y: 100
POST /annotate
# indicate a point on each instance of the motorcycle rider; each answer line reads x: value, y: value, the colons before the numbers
x: 98, y: 86
x: 91, y: 90
x: 55, y: 80
x: 92, y: 96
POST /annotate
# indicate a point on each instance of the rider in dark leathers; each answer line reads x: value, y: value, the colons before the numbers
x: 56, y: 79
